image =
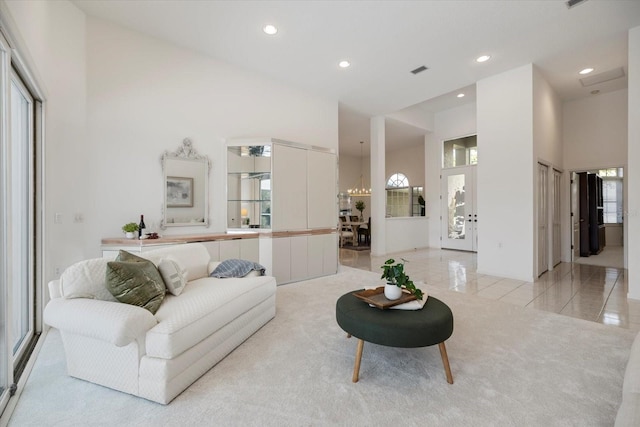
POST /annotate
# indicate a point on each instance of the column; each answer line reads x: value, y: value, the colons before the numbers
x: 378, y: 174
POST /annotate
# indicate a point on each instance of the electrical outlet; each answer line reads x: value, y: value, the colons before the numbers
x: 57, y: 271
x: 57, y: 218
x: 78, y: 218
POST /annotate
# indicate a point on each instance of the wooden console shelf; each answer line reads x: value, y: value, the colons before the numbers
x: 172, y: 240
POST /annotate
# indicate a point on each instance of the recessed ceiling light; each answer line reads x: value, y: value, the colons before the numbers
x: 586, y: 71
x: 460, y: 95
x: 344, y: 64
x: 270, y: 29
x: 483, y: 58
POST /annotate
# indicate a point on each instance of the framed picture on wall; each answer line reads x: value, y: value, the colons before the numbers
x: 179, y: 192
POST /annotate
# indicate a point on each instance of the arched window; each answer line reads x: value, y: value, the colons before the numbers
x: 398, y: 196
x: 398, y: 180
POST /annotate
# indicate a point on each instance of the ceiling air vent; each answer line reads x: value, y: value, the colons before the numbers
x: 602, y: 77
x: 419, y: 69
x: 572, y: 3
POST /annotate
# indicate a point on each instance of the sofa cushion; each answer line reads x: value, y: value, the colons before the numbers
x: 193, y: 257
x: 632, y: 373
x: 173, y: 274
x: 86, y: 279
x: 136, y: 281
x: 204, y: 306
x: 629, y: 412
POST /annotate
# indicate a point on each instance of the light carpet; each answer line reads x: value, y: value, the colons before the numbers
x: 611, y: 256
x: 512, y: 366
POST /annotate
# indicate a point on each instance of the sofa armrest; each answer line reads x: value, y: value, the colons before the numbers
x: 113, y: 322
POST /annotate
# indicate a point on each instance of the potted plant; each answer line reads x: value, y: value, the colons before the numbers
x: 397, y: 279
x: 130, y: 230
x: 360, y: 206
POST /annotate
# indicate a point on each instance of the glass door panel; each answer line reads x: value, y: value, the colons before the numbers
x: 459, y: 218
x: 22, y: 288
x: 455, y: 207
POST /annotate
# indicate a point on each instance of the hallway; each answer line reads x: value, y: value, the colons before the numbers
x: 594, y: 293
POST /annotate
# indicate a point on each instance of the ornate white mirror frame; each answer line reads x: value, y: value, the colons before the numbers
x: 185, y: 187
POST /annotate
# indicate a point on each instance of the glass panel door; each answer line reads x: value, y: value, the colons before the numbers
x: 459, y: 217
x: 6, y: 363
x: 22, y: 281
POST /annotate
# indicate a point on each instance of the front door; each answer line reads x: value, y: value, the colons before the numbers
x: 459, y: 216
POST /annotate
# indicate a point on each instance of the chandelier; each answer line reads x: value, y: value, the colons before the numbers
x: 360, y: 190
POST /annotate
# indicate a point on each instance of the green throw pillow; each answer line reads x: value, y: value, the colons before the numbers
x: 136, y: 281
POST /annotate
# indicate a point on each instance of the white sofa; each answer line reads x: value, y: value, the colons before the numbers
x: 629, y: 411
x: 156, y: 357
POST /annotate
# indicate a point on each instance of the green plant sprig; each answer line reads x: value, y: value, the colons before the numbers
x: 394, y: 273
x: 130, y: 227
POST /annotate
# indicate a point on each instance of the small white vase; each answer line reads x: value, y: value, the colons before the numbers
x: 130, y: 235
x: 392, y: 292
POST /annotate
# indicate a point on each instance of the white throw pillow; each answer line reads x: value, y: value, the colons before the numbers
x: 86, y: 279
x: 173, y: 274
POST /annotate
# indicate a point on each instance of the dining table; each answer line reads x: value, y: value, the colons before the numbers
x: 355, y: 225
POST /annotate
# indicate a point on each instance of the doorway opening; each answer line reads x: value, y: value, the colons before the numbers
x: 597, y: 206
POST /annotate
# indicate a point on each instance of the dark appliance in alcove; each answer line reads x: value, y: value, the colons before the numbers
x: 592, y: 231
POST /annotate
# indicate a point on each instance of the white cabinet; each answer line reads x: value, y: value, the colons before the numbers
x: 281, y: 261
x: 322, y: 199
x: 304, y: 257
x: 297, y: 193
x: 289, y: 196
x: 299, y: 258
x: 235, y: 248
x: 281, y: 185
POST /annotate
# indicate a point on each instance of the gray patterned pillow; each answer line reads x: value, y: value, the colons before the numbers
x: 136, y: 281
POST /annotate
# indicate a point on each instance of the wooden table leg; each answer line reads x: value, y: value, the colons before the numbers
x: 445, y: 362
x: 356, y: 368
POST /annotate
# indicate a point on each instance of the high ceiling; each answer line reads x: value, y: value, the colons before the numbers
x: 385, y: 40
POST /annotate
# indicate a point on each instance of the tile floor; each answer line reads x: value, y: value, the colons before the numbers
x: 594, y: 293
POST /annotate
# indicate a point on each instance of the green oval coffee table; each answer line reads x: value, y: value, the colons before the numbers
x: 396, y: 328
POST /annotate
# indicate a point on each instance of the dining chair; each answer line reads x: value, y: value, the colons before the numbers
x: 365, y: 231
x: 346, y: 232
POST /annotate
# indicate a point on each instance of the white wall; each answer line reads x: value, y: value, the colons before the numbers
x: 547, y: 147
x: 405, y: 234
x: 595, y: 131
x: 632, y: 178
x: 547, y: 122
x: 51, y: 35
x: 449, y: 124
x: 145, y: 96
x: 409, y: 161
x: 116, y: 100
x: 505, y: 174
x: 594, y: 137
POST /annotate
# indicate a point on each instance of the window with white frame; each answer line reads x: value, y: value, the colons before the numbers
x: 612, y: 190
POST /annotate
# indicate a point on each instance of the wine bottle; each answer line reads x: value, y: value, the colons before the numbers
x: 141, y: 227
